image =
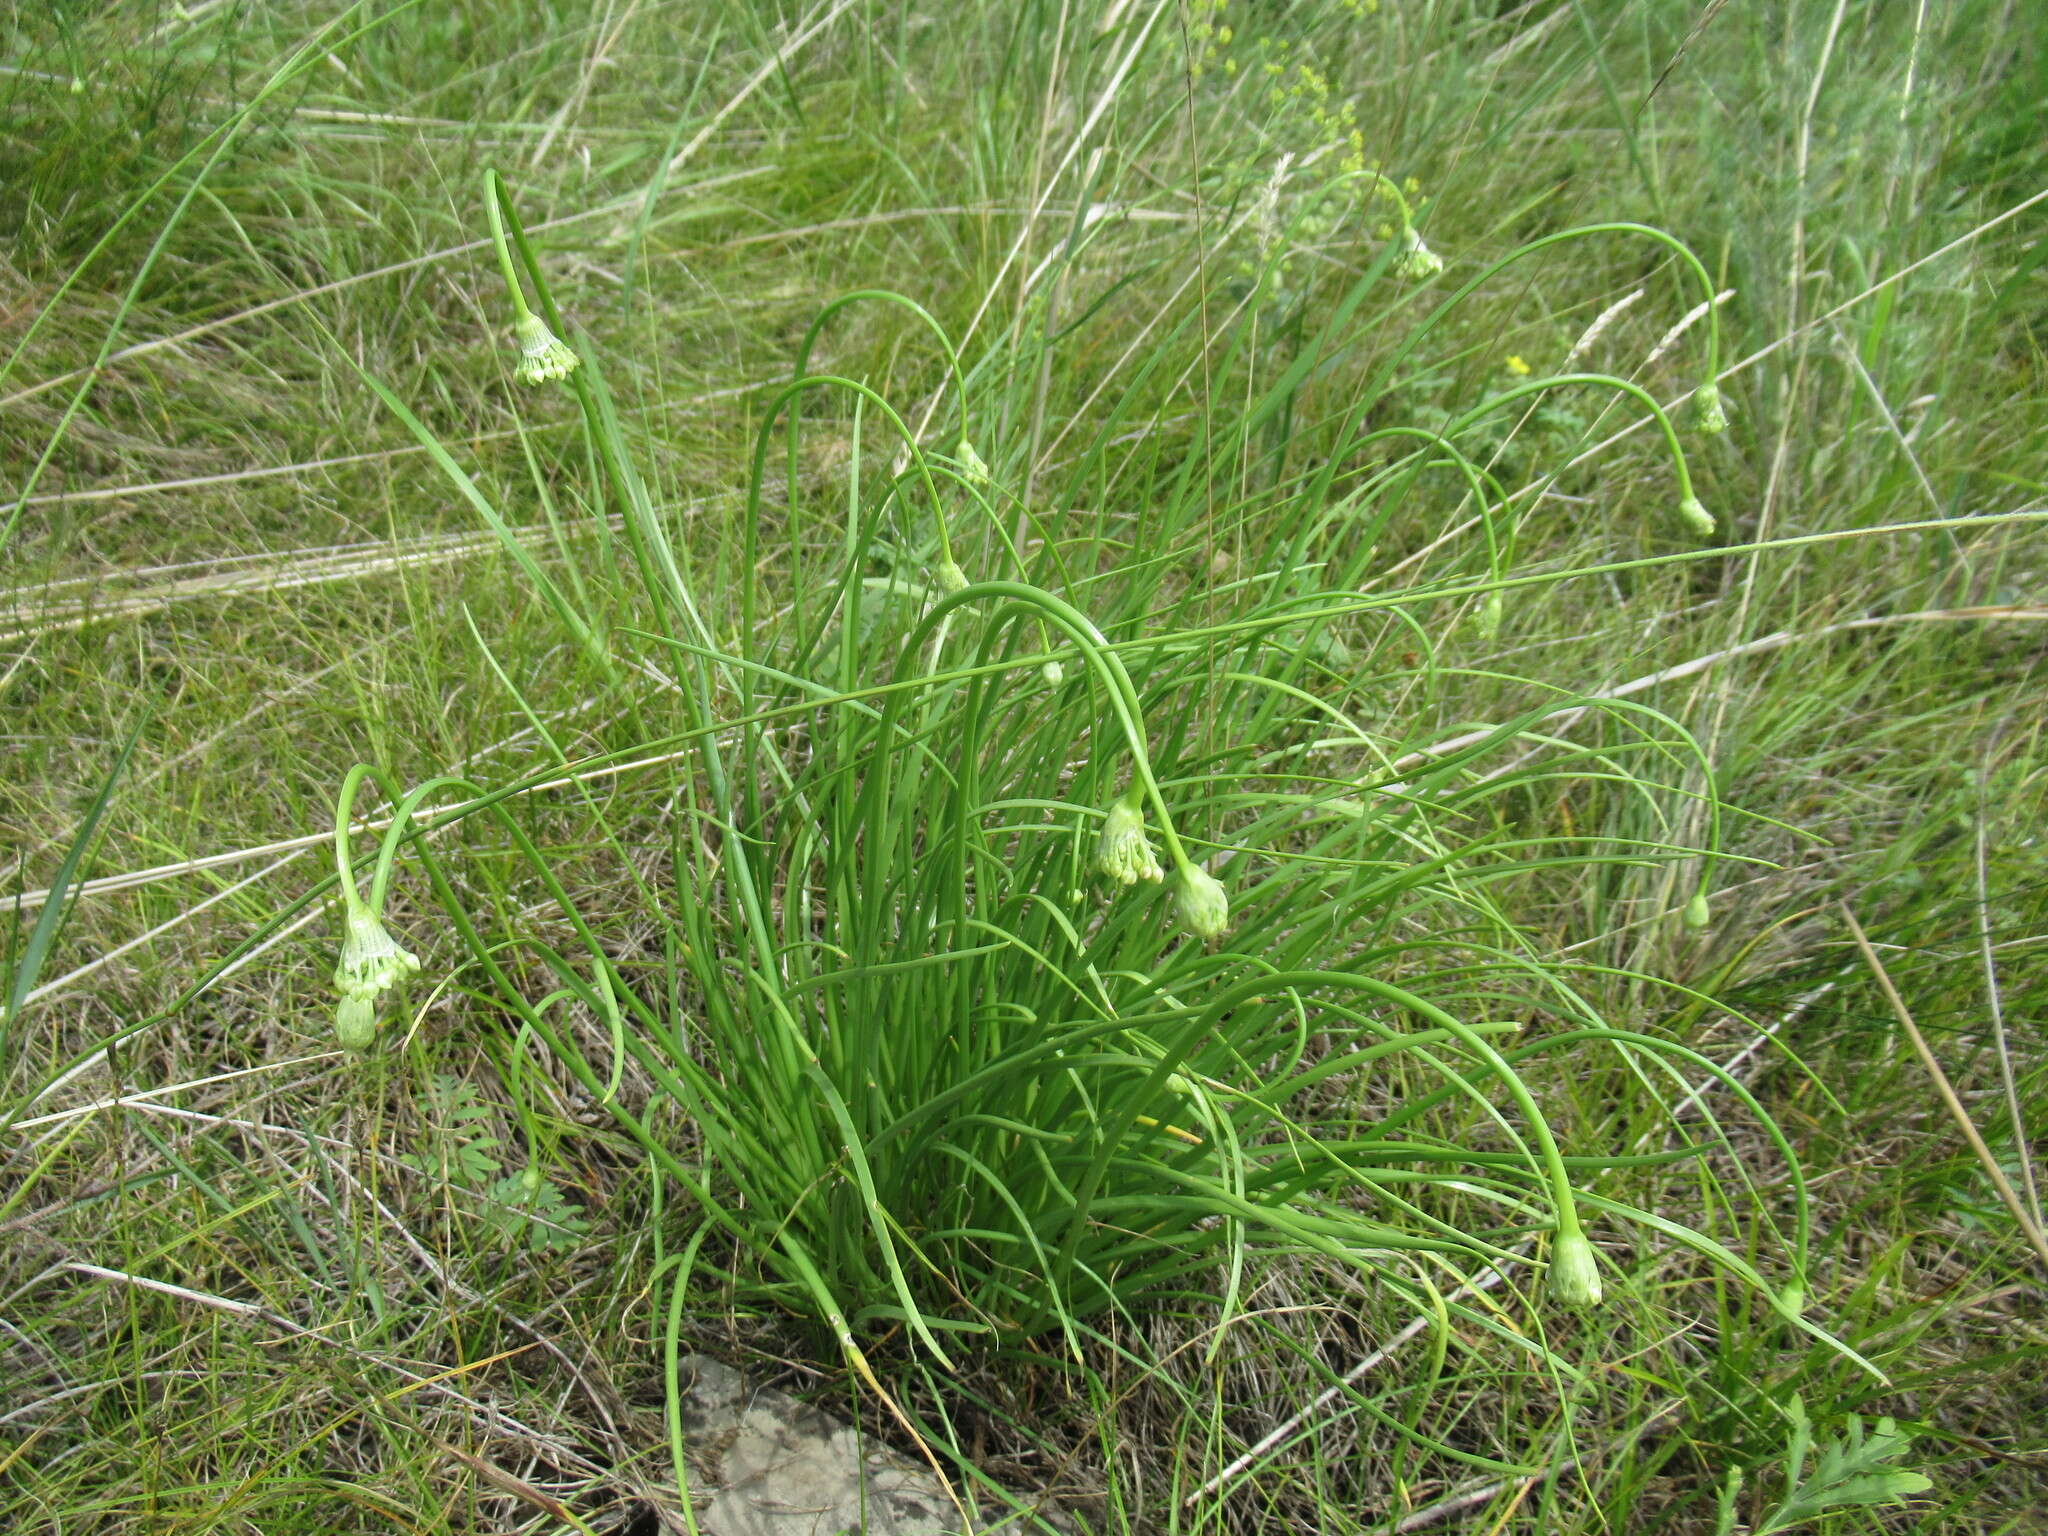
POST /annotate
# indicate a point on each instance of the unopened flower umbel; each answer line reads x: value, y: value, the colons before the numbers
x: 951, y: 578
x: 1707, y: 414
x: 971, y: 465
x: 1574, y: 1272
x: 542, y: 354
x: 1204, y: 904
x: 1123, y: 852
x: 1696, y: 516
x: 1698, y: 914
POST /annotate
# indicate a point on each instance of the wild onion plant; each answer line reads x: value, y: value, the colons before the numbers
x: 1056, y: 917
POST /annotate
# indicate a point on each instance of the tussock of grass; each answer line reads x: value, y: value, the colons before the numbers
x: 767, y: 972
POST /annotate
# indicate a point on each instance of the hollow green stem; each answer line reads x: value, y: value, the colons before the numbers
x: 494, y: 191
x: 1560, y: 380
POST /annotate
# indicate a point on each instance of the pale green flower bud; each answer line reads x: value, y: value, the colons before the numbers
x: 1574, y: 1273
x: 1490, y: 614
x: 1123, y: 852
x: 1204, y: 905
x: 971, y: 465
x: 1792, y: 1300
x: 1707, y: 414
x: 542, y: 355
x: 1696, y: 516
x: 951, y: 578
x: 1697, y: 913
x: 355, y: 1021
x: 1053, y: 673
x: 1417, y: 262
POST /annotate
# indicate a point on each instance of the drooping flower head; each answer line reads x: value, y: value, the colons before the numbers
x: 1123, y: 852
x: 542, y: 354
x: 372, y: 962
x: 1203, y: 904
x: 1417, y: 262
x: 1696, y: 516
x: 971, y: 465
x: 1574, y: 1272
x: 1707, y: 414
x: 1697, y: 913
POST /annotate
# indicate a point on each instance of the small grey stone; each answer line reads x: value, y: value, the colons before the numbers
x: 769, y: 1466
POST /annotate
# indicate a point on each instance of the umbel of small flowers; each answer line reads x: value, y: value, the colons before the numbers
x: 972, y: 465
x: 1417, y: 262
x: 542, y: 354
x: 1123, y: 852
x: 372, y: 962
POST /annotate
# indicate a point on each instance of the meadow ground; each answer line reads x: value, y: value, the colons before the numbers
x: 1602, y: 1104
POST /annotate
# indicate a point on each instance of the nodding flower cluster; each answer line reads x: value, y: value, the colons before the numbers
x: 1124, y: 854
x: 1417, y: 262
x: 542, y: 354
x: 372, y: 962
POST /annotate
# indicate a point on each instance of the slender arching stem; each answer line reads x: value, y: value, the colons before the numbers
x: 493, y: 192
x: 882, y: 296
x: 1557, y: 381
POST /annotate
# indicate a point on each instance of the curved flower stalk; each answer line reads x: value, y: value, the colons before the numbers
x: 1200, y: 899
x: 1391, y: 366
x: 971, y: 464
x: 1690, y: 511
x: 543, y: 356
x: 1494, y: 523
